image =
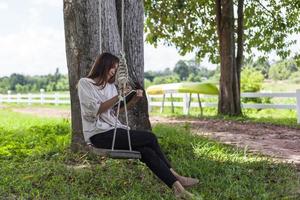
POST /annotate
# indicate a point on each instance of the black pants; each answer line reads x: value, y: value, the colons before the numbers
x: 143, y: 141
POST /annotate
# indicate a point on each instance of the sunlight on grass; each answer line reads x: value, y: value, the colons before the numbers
x: 25, y: 135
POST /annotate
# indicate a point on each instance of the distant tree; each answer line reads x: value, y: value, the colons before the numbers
x: 4, y: 84
x: 16, y: 79
x: 201, y: 74
x: 182, y: 69
x: 195, y: 78
x: 166, y: 79
x: 150, y: 75
x: 147, y: 83
x: 22, y: 88
x: 282, y: 70
x: 63, y: 83
x: 263, y: 66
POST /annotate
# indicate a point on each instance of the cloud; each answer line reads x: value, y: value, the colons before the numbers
x: 33, y: 40
x: 162, y: 57
x: 167, y: 56
x: 33, y: 52
x: 3, y: 5
x: 47, y: 3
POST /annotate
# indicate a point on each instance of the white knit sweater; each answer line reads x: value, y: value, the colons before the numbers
x: 91, y: 97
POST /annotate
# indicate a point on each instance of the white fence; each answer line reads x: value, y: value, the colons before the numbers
x: 38, y: 98
x: 186, y: 103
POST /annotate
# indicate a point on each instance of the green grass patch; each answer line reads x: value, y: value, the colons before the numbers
x: 280, y: 86
x: 23, y: 135
x: 35, y: 163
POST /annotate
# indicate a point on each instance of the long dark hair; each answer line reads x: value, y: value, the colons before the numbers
x: 103, y: 63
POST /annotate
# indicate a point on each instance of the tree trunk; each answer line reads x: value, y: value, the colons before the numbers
x: 82, y: 46
x: 110, y: 36
x: 229, y: 101
x: 134, y: 49
x: 82, y: 35
x: 240, y: 41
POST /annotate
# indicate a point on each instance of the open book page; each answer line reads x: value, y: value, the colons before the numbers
x: 129, y: 96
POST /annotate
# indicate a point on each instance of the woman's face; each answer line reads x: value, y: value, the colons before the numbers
x: 112, y: 73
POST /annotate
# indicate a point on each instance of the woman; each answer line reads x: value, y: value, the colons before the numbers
x: 98, y: 94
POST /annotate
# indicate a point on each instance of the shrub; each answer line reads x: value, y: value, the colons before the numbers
x: 251, y: 81
x: 295, y: 77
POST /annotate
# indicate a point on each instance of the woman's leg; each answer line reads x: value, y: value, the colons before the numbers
x: 147, y: 138
x: 138, y: 139
x: 144, y: 142
x: 157, y: 166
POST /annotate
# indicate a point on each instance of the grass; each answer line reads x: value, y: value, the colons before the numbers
x: 35, y: 163
x: 267, y: 116
x: 280, y: 86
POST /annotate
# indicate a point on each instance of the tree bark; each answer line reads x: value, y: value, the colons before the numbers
x: 110, y: 35
x: 134, y: 49
x: 240, y: 40
x: 229, y: 101
x: 81, y: 49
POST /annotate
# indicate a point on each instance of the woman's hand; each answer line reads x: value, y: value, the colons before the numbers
x: 139, y: 93
x: 138, y: 96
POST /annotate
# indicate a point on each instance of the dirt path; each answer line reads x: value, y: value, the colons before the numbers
x: 275, y: 141
x: 272, y: 140
x: 44, y: 112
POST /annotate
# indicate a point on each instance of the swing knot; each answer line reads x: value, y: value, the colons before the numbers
x: 122, y: 72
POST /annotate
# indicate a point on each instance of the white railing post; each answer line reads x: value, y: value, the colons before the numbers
x: 8, y: 96
x: 18, y: 98
x: 298, y: 105
x: 163, y: 103
x: 56, y: 98
x: 149, y: 102
x: 1, y: 98
x: 29, y: 98
x: 172, y: 104
x: 186, y: 101
x: 42, y: 96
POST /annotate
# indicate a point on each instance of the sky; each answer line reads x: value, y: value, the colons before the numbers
x: 32, y: 40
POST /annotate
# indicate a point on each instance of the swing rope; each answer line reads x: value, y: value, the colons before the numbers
x: 122, y: 80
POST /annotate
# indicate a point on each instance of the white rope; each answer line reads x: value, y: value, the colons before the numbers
x: 122, y: 80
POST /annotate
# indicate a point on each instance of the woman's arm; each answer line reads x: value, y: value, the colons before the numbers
x: 129, y: 104
x: 107, y: 104
x: 135, y: 99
